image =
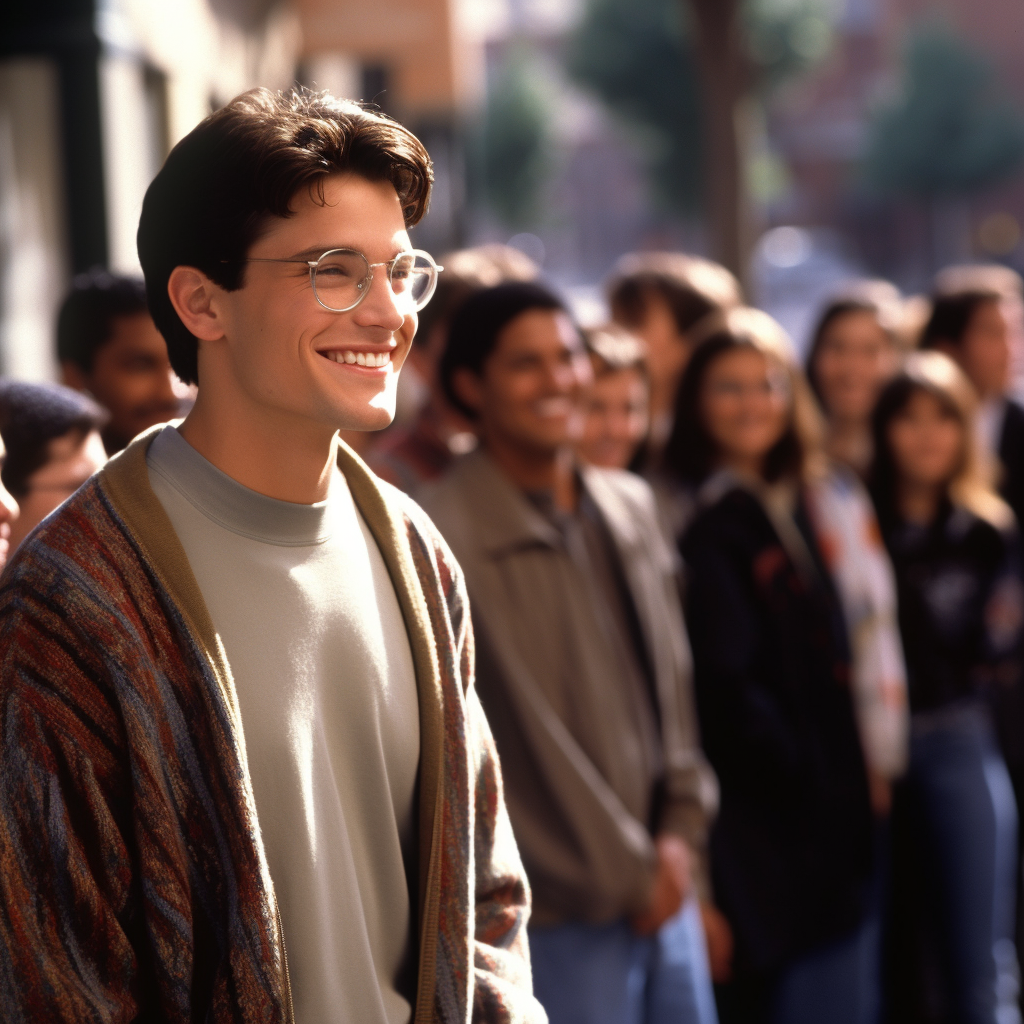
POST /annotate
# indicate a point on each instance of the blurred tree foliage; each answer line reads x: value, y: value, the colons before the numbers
x: 950, y: 133
x: 639, y: 57
x: 513, y: 142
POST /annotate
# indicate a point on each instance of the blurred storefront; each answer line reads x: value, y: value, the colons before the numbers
x: 93, y: 93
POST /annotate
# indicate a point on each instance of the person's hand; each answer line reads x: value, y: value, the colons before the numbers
x: 671, y: 884
x: 718, y: 936
x: 880, y: 791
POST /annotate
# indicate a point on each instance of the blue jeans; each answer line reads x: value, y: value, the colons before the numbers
x: 605, y: 974
x: 959, y: 794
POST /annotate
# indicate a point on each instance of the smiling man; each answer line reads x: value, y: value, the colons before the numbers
x: 583, y: 668
x: 238, y: 707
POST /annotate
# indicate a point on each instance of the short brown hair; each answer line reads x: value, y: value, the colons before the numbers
x: 693, y: 287
x: 245, y: 163
x: 690, y: 453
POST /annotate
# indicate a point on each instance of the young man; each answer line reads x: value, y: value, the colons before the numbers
x: 109, y: 346
x: 665, y: 298
x: 53, y: 446
x: 583, y: 667
x: 410, y: 456
x: 971, y: 326
x: 238, y: 709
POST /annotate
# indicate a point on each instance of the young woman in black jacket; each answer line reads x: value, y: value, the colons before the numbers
x: 791, y: 852
x: 953, y: 544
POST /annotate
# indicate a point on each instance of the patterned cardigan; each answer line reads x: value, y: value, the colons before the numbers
x: 133, y: 883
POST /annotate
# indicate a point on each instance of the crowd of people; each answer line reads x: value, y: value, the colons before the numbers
x: 747, y: 632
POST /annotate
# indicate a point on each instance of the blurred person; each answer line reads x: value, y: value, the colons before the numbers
x: 799, y: 680
x: 109, y: 347
x: 583, y: 668
x: 8, y: 512
x: 615, y: 416
x: 238, y: 712
x: 665, y: 298
x: 851, y: 357
x: 53, y: 443
x: 411, y: 455
x: 954, y: 546
x: 972, y: 328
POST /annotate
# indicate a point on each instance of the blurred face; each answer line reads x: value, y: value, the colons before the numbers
x: 667, y: 350
x: 615, y: 419
x: 984, y: 352
x: 853, y: 363
x: 745, y: 406
x: 132, y: 378
x: 8, y: 514
x: 71, y: 460
x: 528, y: 395
x: 286, y: 353
x: 926, y: 441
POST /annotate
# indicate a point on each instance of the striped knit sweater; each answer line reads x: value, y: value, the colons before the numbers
x: 133, y: 885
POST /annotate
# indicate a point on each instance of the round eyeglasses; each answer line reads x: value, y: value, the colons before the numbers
x: 341, y: 278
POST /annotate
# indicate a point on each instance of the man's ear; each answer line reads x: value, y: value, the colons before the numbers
x: 469, y: 388
x: 73, y: 376
x: 195, y: 300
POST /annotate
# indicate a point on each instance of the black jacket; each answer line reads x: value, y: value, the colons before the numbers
x: 1011, y: 454
x: 960, y: 600
x: 791, y: 850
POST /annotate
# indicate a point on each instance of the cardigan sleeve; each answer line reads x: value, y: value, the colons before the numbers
x: 65, y: 871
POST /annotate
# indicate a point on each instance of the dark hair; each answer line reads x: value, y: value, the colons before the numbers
x: 477, y: 325
x: 87, y: 315
x: 244, y: 164
x: 692, y: 287
x: 952, y: 314
x: 833, y: 312
x: 935, y: 374
x: 33, y: 415
x: 467, y: 271
x: 690, y: 453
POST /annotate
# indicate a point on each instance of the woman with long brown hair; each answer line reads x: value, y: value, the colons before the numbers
x: 961, y: 608
x: 798, y: 677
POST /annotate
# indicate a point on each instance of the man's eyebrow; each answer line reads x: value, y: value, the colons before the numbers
x: 314, y: 252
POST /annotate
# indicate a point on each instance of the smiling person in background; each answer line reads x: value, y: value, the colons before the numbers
x: 583, y: 668
x: 53, y: 446
x: 109, y: 347
x: 852, y: 356
x: 616, y: 408
x: 8, y: 512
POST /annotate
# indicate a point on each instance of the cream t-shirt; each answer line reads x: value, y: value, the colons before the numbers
x: 313, y: 632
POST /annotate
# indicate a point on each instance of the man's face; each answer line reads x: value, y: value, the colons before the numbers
x: 131, y: 378
x: 984, y: 352
x: 286, y: 352
x: 529, y: 392
x: 8, y: 513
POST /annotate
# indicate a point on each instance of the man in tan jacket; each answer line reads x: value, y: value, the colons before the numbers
x: 583, y: 667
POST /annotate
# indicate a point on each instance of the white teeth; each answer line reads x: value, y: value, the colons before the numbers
x: 360, y: 358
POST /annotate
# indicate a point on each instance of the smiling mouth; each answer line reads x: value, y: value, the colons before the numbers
x: 350, y: 358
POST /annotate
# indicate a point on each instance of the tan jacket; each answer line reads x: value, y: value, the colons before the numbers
x: 546, y: 677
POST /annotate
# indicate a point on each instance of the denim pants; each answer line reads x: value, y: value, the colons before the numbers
x: 605, y: 974
x: 959, y: 795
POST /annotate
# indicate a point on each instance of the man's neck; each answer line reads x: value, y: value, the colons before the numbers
x: 272, y: 455
x: 533, y: 470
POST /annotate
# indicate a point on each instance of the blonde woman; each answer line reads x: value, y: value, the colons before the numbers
x: 954, y: 548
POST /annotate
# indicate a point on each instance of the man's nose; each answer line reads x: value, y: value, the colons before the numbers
x: 380, y: 307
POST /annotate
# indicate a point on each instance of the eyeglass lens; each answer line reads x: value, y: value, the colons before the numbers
x: 342, y: 275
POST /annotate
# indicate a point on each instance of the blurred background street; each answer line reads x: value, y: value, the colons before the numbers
x: 800, y: 142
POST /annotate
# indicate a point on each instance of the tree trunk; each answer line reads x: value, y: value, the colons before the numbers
x: 724, y: 80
